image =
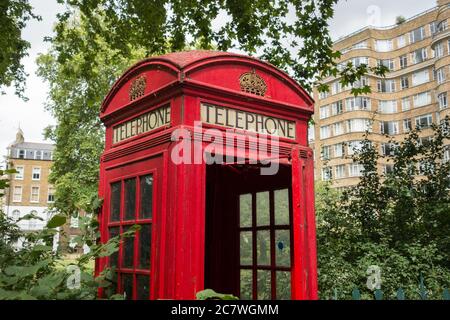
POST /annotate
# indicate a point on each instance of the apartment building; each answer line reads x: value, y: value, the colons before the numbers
x: 413, y: 93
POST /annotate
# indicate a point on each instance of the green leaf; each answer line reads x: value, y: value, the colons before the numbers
x: 56, y: 221
x: 209, y: 294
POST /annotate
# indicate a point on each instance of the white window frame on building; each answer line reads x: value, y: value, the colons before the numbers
x: 34, y: 196
x: 422, y: 99
x: 51, y: 195
x: 387, y: 86
x: 424, y: 124
x: 406, y: 103
x: 36, y: 173
x: 420, y: 77
x: 442, y: 100
x: 339, y: 171
x: 355, y: 169
x: 324, y: 112
x: 387, y: 106
x: 17, y: 196
x: 326, y: 173
x: 338, y: 150
x: 439, y: 50
x: 38, y: 155
x: 21, y: 154
x: 440, y: 75
x: 20, y: 172
x: 417, y: 34
x: 407, y: 125
x: 383, y: 45
x: 338, y: 129
x: 404, y: 82
x: 403, y: 61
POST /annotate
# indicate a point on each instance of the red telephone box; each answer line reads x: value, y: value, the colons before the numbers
x: 207, y: 223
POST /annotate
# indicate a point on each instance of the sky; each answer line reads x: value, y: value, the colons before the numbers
x: 350, y: 15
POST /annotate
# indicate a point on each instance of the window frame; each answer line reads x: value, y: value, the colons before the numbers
x: 122, y: 224
x: 33, y: 173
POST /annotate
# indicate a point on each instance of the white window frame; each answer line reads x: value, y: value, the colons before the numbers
x: 33, y: 194
x: 339, y: 171
x: 440, y: 75
x: 20, y: 172
x: 429, y: 121
x: 405, y: 127
x: 33, y: 173
x: 420, y: 103
x: 50, y: 194
x: 420, y: 77
x: 18, y: 199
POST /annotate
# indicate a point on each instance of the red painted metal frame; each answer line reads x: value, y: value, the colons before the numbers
x: 184, y: 80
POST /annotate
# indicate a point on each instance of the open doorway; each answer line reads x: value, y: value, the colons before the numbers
x: 248, y: 238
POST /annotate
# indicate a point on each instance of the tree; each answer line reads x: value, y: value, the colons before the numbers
x: 14, y: 15
x: 97, y: 39
x: 398, y: 221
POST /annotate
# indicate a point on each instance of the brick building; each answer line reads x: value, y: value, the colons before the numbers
x: 413, y: 92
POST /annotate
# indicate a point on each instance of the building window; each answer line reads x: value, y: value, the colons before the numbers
x: 387, y: 106
x: 326, y: 173
x: 424, y: 121
x: 336, y: 87
x: 36, y: 173
x: 325, y: 154
x: 386, y: 85
x: 439, y: 50
x: 355, y: 170
x: 401, y: 41
x: 358, y: 125
x: 446, y: 157
x: 388, y: 169
x: 417, y: 35
x: 339, y: 171
x: 357, y: 103
x: 323, y: 94
x: 403, y: 61
x: 21, y: 154
x: 324, y: 112
x: 338, y: 128
x: 407, y: 126
x: 406, y: 104
x: 420, y: 77
x: 442, y: 98
x: 17, y: 194
x: 404, y: 82
x: 51, y: 194
x: 389, y: 127
x: 388, y: 149
x: 422, y: 99
x: 311, y: 133
x: 19, y: 174
x: 16, y: 215
x: 388, y: 63
x: 354, y: 147
x: 324, y: 132
x: 338, y: 150
x: 383, y: 45
x: 419, y: 55
x: 337, y: 108
x: 38, y: 155
x: 440, y: 75
x: 441, y: 26
x: 34, y: 194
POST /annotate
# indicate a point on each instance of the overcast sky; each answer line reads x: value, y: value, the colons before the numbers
x: 350, y: 15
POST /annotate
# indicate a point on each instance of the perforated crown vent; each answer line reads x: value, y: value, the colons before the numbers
x: 250, y: 82
x: 137, y: 88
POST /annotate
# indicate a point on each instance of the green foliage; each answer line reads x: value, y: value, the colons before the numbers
x: 37, y: 272
x: 209, y: 294
x: 14, y: 15
x: 398, y: 221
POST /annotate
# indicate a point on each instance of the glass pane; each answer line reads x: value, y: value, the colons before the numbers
x: 263, y: 247
x: 246, y: 251
x: 283, y: 285
x: 130, y: 199
x: 115, y: 201
x: 264, y: 287
x: 281, y: 207
x: 127, y: 251
x: 145, y: 243
x: 282, y: 248
x: 262, y: 208
x: 246, y: 285
x: 146, y: 196
x: 245, y: 210
x: 114, y: 258
x: 143, y: 287
x: 127, y: 285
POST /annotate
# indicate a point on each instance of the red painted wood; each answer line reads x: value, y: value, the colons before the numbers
x: 184, y: 80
